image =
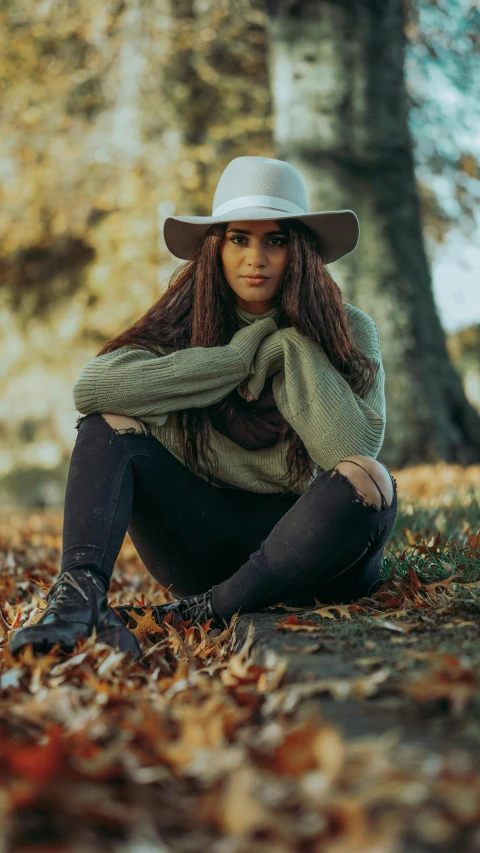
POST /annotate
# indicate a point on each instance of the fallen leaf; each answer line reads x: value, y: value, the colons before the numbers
x: 40, y: 582
x: 293, y: 623
x: 448, y: 678
x: 344, y: 611
x: 237, y: 810
x: 287, y: 699
x: 35, y: 762
x: 145, y: 625
x: 309, y: 745
x: 396, y: 614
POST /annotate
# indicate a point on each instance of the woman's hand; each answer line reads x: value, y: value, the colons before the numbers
x: 243, y: 389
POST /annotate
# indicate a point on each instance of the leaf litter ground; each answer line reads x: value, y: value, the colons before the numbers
x: 333, y: 730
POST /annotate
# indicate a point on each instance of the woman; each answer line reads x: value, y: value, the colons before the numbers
x: 233, y: 429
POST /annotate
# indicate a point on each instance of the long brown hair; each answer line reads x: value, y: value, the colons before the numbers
x: 198, y: 310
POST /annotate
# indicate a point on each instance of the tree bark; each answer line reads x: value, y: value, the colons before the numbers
x: 337, y: 78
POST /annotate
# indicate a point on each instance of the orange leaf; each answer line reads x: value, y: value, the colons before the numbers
x: 431, y: 587
x: 145, y: 625
x: 474, y: 541
x: 413, y: 578
x: 329, y: 612
x: 36, y: 762
x: 411, y: 538
x: 40, y: 583
x: 16, y: 621
x: 293, y: 623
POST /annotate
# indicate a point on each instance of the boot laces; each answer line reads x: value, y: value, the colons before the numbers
x: 58, y: 592
x: 199, y: 608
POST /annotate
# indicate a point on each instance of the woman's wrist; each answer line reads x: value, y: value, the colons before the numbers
x: 246, y: 340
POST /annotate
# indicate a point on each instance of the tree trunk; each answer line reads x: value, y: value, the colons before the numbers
x: 337, y: 79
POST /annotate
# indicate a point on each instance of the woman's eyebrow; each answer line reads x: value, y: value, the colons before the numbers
x: 243, y: 231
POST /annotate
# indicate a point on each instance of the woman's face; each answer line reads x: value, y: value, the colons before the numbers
x: 254, y: 248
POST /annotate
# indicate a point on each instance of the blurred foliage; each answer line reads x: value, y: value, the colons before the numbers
x: 464, y: 350
x: 113, y: 117
x: 443, y: 85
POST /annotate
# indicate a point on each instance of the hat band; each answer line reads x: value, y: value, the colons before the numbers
x: 258, y: 201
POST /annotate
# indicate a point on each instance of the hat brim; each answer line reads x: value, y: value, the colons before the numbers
x: 338, y: 230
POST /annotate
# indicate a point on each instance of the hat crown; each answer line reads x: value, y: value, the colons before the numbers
x: 262, y: 182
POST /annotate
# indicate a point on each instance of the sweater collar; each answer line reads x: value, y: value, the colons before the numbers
x: 248, y: 317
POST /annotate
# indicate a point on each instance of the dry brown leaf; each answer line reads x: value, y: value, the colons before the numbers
x: 293, y: 623
x: 395, y: 614
x: 448, y: 678
x: 41, y: 583
x: 445, y: 583
x: 287, y: 698
x: 4, y: 629
x: 238, y: 809
x: 310, y: 745
x: 343, y: 610
x: 145, y: 626
x: 34, y: 617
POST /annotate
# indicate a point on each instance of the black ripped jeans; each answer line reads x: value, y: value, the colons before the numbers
x: 253, y: 549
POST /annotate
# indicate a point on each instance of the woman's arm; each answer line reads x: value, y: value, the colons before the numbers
x: 269, y: 359
x: 136, y: 382
x: 311, y: 394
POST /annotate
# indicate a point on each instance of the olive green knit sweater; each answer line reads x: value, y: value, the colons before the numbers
x: 310, y: 393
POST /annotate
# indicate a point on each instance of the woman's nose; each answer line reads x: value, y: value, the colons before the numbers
x: 256, y: 255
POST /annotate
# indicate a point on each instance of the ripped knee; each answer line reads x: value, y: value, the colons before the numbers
x: 365, y: 490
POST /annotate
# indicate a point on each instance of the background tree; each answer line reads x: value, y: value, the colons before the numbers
x: 112, y: 117
x: 442, y: 39
x: 341, y: 117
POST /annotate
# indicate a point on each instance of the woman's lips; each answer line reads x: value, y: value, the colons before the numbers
x: 251, y: 279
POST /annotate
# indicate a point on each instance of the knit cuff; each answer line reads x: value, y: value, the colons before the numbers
x: 247, y: 339
x: 269, y: 359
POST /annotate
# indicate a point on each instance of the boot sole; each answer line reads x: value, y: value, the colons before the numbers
x: 40, y: 645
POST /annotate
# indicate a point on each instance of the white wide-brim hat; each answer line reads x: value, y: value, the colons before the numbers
x: 255, y: 188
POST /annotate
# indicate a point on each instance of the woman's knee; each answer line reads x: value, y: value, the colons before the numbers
x: 363, y: 484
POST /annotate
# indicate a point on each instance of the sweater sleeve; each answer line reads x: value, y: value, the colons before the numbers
x: 135, y: 382
x: 269, y: 359
x: 311, y: 394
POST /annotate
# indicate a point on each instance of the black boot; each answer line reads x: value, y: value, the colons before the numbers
x: 194, y: 608
x: 77, y: 603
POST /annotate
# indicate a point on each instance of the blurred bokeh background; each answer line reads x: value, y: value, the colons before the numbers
x: 116, y: 115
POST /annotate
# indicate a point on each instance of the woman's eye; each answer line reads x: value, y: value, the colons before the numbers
x: 280, y: 241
